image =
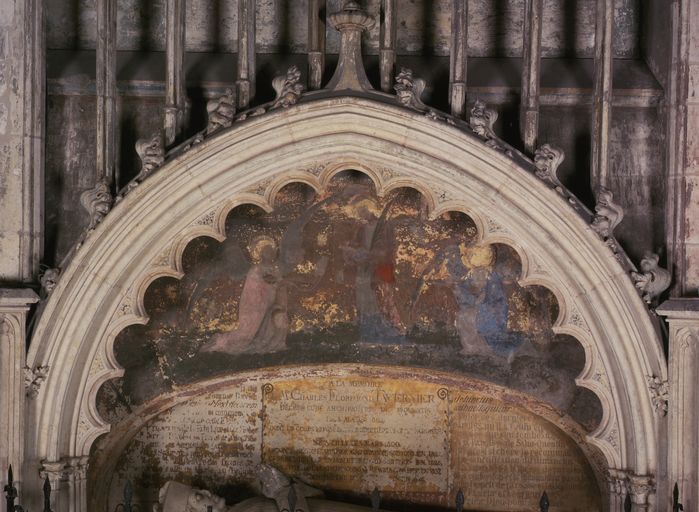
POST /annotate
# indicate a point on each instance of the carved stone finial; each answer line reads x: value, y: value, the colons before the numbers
x: 221, y: 112
x: 659, y: 393
x: 410, y: 89
x: 483, y: 119
x: 351, y: 21
x: 288, y: 88
x: 608, y: 214
x: 547, y: 160
x: 97, y: 201
x: 33, y: 379
x: 49, y: 280
x: 652, y: 280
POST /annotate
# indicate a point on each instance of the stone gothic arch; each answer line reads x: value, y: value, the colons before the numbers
x: 143, y: 238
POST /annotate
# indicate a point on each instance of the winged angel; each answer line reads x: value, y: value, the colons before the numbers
x: 263, y: 322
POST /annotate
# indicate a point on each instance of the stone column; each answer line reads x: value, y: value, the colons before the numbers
x: 316, y: 43
x: 106, y: 154
x: 458, y: 57
x: 683, y: 408
x: 246, y: 53
x: 68, y: 478
x: 682, y: 217
x: 175, y: 94
x: 22, y: 114
x: 14, y: 304
x: 617, y: 482
x: 531, y: 71
x: 55, y: 472
x: 387, y: 52
x: 602, y: 99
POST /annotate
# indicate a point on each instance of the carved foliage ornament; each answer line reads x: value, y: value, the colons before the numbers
x: 409, y: 90
x: 152, y: 154
x: 652, y: 280
x: 659, y: 393
x: 608, y: 214
x: 221, y: 112
x: 33, y: 378
x: 288, y: 88
x: 547, y: 160
x: 482, y: 121
x: 97, y: 201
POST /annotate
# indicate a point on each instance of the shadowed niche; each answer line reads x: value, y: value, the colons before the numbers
x: 347, y: 276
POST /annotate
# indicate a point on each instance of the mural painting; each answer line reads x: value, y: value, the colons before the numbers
x: 347, y: 276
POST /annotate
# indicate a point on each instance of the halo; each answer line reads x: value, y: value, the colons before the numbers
x: 257, y: 244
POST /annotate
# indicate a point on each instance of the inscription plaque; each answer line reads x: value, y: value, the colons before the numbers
x: 354, y: 433
x: 503, y: 457
x: 415, y: 440
x: 215, y: 434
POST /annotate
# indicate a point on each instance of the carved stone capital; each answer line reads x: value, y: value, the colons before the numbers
x: 617, y: 480
x: 640, y: 487
x: 54, y: 470
x: 65, y: 469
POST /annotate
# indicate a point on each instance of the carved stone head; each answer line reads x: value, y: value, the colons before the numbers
x: 49, y: 279
x: 649, y: 262
x: 177, y: 497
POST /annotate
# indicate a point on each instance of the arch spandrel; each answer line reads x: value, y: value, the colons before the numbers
x: 143, y: 238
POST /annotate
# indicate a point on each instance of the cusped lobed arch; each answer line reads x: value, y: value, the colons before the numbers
x: 143, y: 238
